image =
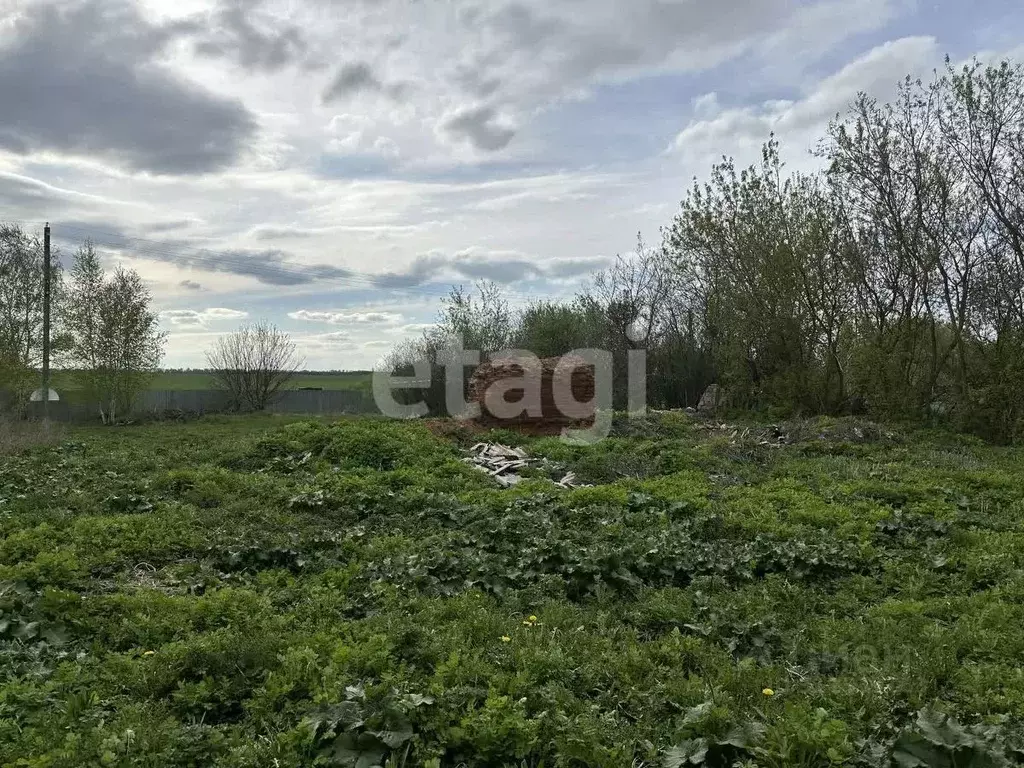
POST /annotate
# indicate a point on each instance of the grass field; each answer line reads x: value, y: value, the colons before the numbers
x: 258, y: 592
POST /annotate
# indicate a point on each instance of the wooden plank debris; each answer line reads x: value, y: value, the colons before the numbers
x: 504, y: 463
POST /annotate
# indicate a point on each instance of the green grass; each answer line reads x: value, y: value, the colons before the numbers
x: 268, y: 592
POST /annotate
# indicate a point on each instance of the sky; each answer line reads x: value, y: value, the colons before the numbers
x: 334, y: 167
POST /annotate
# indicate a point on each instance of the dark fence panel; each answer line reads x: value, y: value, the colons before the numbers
x: 163, y: 401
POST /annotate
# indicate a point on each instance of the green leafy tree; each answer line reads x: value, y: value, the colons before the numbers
x: 116, y: 343
x: 760, y: 255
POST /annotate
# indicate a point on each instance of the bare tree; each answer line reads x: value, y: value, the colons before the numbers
x: 252, y: 365
x: 633, y: 295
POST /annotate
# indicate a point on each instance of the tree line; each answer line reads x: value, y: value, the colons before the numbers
x: 106, y: 339
x: 103, y: 330
x: 889, y: 282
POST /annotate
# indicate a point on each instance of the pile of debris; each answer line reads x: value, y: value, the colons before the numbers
x: 504, y: 463
x: 537, y: 379
x: 772, y: 435
x: 798, y: 431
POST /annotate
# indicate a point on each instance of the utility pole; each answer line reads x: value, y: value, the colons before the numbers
x: 46, y: 323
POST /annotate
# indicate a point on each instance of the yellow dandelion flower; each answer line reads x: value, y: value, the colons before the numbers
x: 768, y: 692
x: 506, y: 639
x: 532, y: 619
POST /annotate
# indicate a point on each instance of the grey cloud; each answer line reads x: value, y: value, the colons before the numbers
x: 13, y: 143
x: 422, y: 270
x: 501, y: 267
x: 479, y: 125
x: 72, y: 233
x: 528, y: 53
x: 381, y: 231
x: 167, y: 226
x: 271, y: 266
x: 649, y: 32
x: 267, y: 232
x: 276, y: 267
x: 19, y: 193
x: 240, y: 32
x: 92, y: 228
x: 268, y: 266
x: 399, y: 89
x: 351, y: 78
x: 475, y: 80
x: 82, y: 78
x: 190, y: 285
x: 24, y: 197
x: 524, y: 28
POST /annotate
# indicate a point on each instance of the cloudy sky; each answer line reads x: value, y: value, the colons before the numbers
x: 335, y: 165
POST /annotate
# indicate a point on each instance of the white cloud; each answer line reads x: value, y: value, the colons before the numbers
x: 416, y: 328
x: 347, y: 318
x: 359, y: 135
x: 814, y: 29
x: 221, y: 313
x: 716, y: 131
x: 336, y: 341
x: 515, y: 58
x: 191, y: 318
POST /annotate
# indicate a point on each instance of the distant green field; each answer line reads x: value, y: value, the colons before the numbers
x: 64, y: 382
